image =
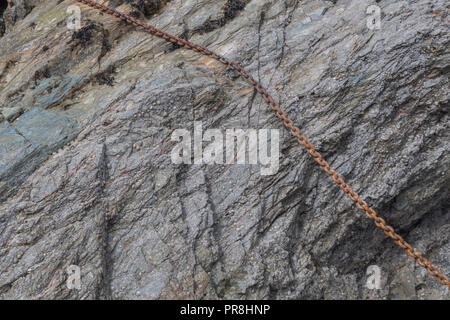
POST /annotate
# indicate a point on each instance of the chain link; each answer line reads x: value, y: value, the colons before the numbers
x: 288, y: 123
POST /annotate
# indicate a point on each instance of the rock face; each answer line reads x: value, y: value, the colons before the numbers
x: 86, y: 176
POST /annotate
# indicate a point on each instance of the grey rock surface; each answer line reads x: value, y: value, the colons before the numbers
x: 86, y: 176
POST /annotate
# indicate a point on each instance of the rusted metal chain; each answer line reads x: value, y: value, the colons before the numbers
x: 289, y: 124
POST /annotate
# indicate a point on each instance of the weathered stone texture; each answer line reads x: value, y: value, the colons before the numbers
x: 85, y: 171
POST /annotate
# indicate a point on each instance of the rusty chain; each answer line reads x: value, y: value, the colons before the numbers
x: 288, y: 123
